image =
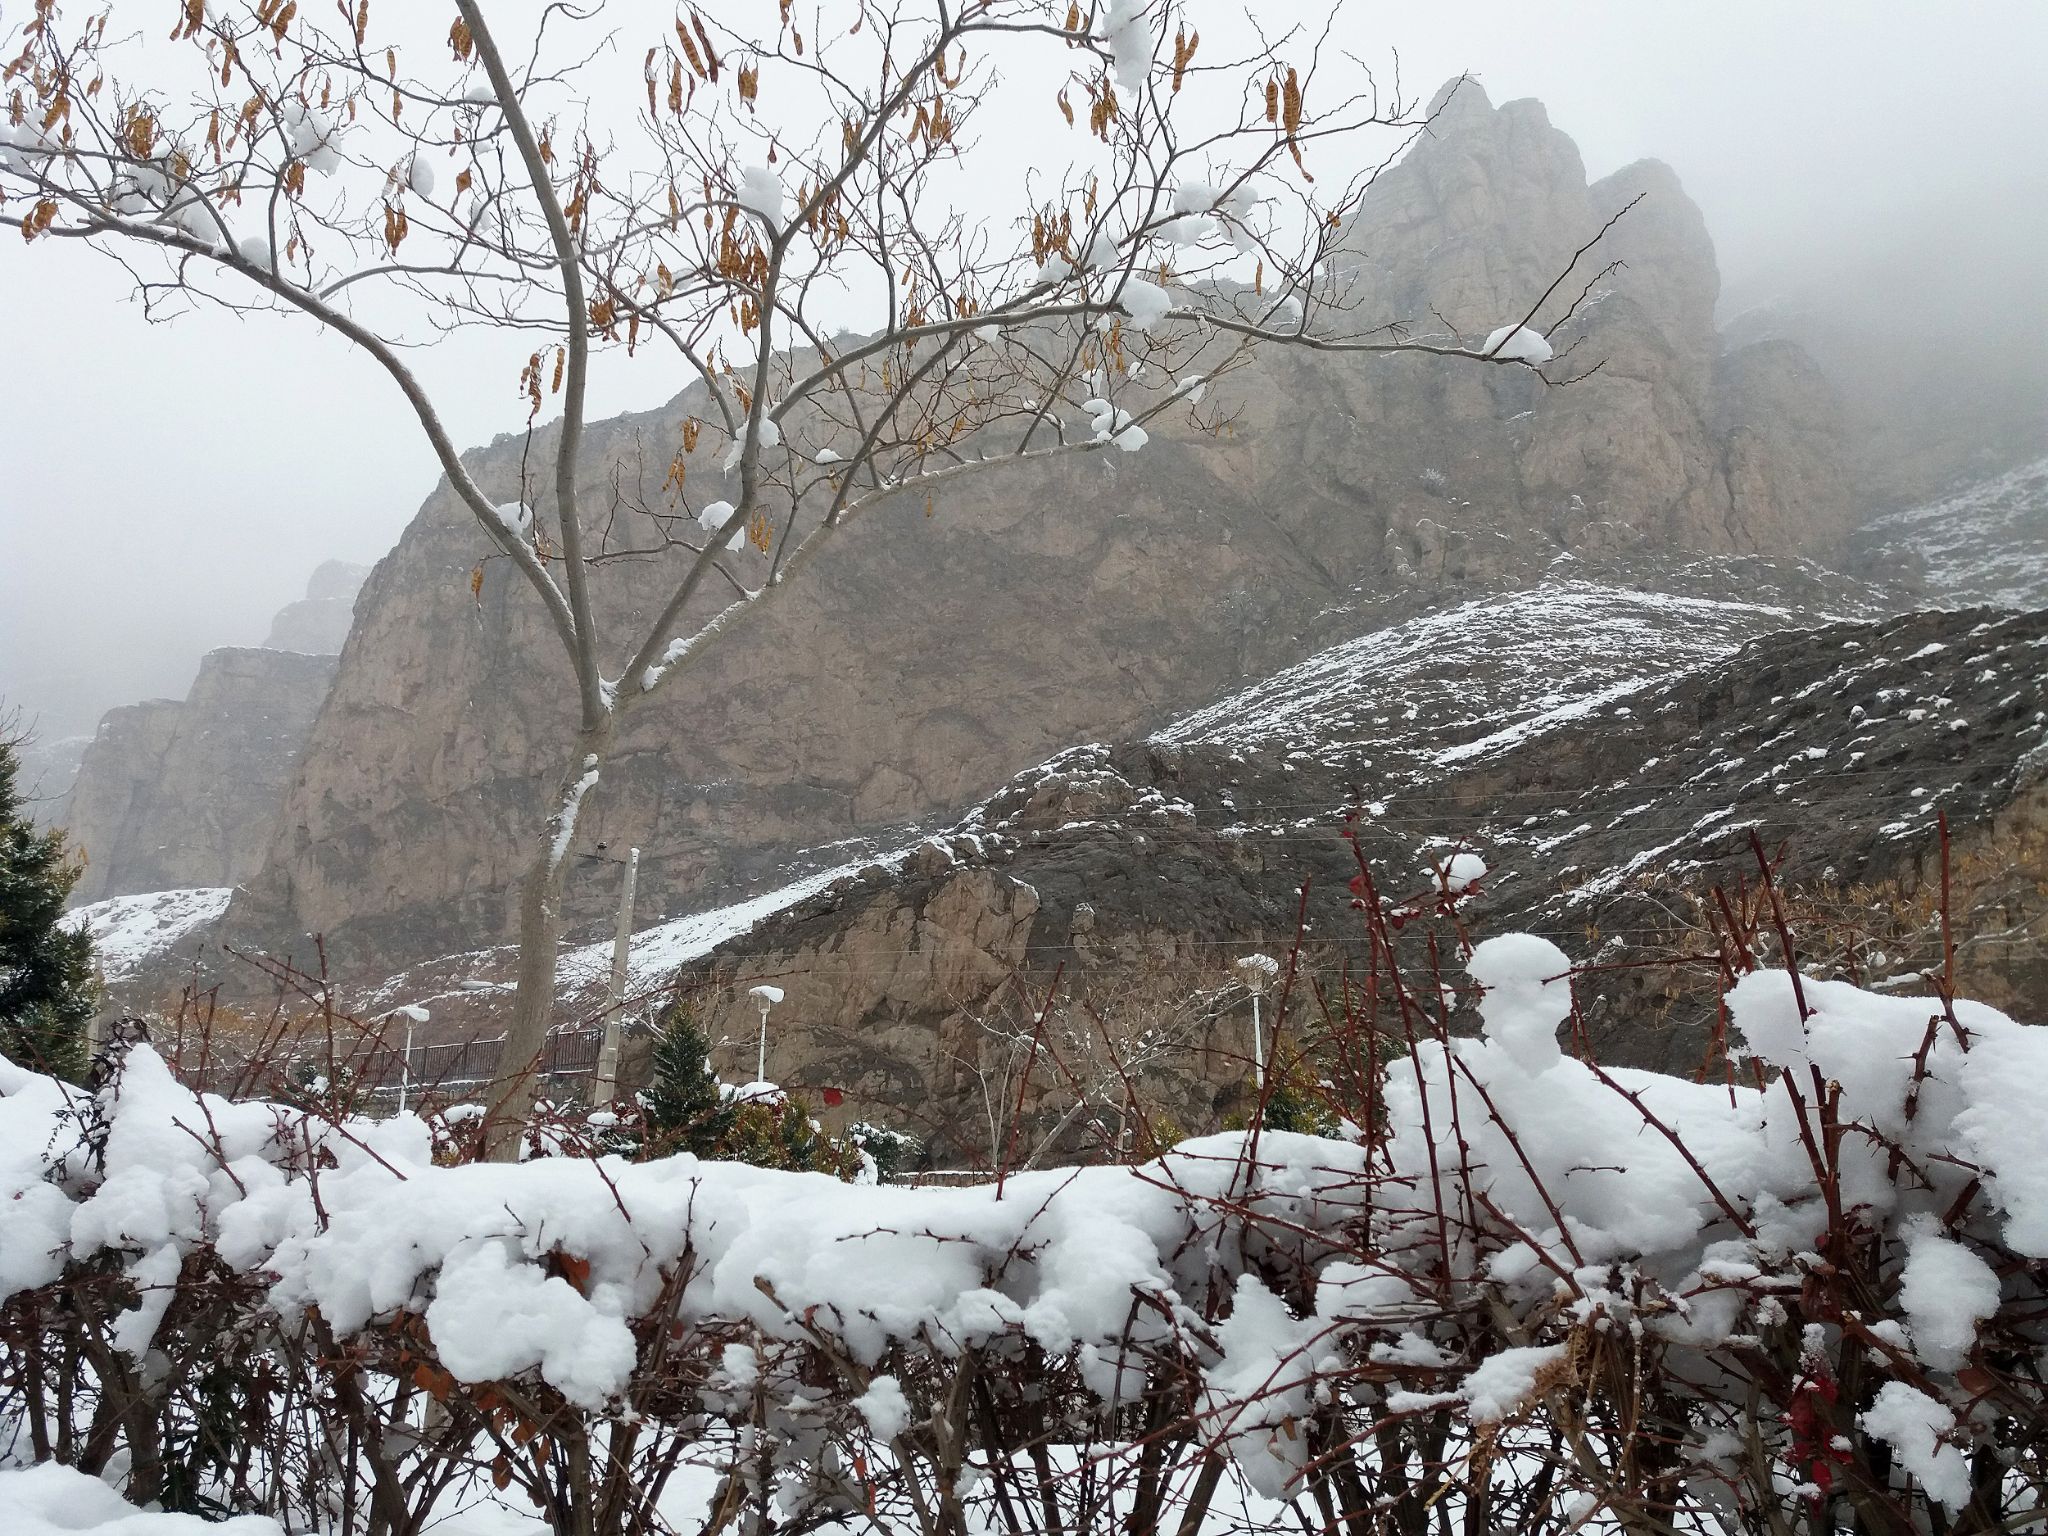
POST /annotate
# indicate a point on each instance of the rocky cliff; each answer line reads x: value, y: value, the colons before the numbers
x: 176, y: 793
x: 318, y: 623
x: 936, y: 655
x: 181, y: 792
x: 49, y: 767
x: 1111, y: 888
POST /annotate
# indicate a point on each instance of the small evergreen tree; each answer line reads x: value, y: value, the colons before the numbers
x: 47, y: 994
x: 684, y: 1108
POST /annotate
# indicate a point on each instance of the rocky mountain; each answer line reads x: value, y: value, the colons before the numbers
x: 318, y: 623
x: 48, y: 768
x: 1606, y: 739
x: 1933, y: 354
x: 938, y: 654
x: 1114, y: 885
x: 175, y: 793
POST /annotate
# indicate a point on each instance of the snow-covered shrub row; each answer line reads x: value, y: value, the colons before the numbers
x: 1568, y: 1292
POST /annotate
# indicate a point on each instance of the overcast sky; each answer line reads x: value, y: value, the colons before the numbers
x: 166, y: 488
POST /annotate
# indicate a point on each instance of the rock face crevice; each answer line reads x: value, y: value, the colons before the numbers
x: 933, y: 656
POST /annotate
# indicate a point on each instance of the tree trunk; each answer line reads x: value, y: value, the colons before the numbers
x: 509, y: 1100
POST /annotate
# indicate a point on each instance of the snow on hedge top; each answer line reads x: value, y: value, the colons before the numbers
x: 129, y: 931
x: 1527, y: 994
x: 1574, y: 1186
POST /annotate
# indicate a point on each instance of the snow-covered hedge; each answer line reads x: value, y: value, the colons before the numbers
x: 1568, y: 1292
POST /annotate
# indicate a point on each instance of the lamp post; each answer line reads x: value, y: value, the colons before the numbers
x: 1257, y: 973
x: 767, y: 997
x: 413, y: 1014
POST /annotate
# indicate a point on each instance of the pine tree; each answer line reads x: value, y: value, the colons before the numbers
x: 684, y: 1110
x: 46, y: 980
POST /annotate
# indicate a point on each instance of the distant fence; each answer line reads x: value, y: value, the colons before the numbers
x: 376, y: 1066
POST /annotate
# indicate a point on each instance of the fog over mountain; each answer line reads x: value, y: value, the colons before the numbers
x: 1870, y: 168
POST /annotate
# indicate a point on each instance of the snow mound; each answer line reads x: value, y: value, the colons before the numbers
x: 55, y: 1500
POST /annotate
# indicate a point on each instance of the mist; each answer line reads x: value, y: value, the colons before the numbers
x: 169, y: 486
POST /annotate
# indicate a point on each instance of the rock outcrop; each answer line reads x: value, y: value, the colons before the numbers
x: 48, y: 768
x: 318, y: 623
x: 1113, y: 886
x: 184, y: 792
x: 935, y: 655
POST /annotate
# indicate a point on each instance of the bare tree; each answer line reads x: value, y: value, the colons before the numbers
x: 774, y: 188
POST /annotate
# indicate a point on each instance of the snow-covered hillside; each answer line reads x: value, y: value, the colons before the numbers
x: 1461, y: 682
x: 130, y: 931
x: 1985, y: 544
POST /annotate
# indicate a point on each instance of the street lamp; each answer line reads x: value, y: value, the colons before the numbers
x: 413, y: 1014
x: 767, y: 997
x: 1257, y: 973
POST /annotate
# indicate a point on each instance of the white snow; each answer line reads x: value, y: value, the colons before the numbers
x: 715, y: 516
x: 884, y: 1407
x: 1573, y: 1200
x: 1527, y: 994
x: 1264, y: 967
x: 55, y: 1500
x: 1912, y: 1423
x: 572, y: 804
x: 1484, y: 674
x: 656, y: 952
x: 420, y: 176
x: 1460, y: 873
x: 1110, y: 424
x: 1517, y: 343
x: 765, y: 994
x: 1128, y: 30
x: 1946, y: 1291
x: 128, y: 931
x: 313, y: 133
x: 1504, y: 1385
x: 761, y: 191
x: 1986, y: 543
x: 1145, y: 303
x: 1263, y: 1385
